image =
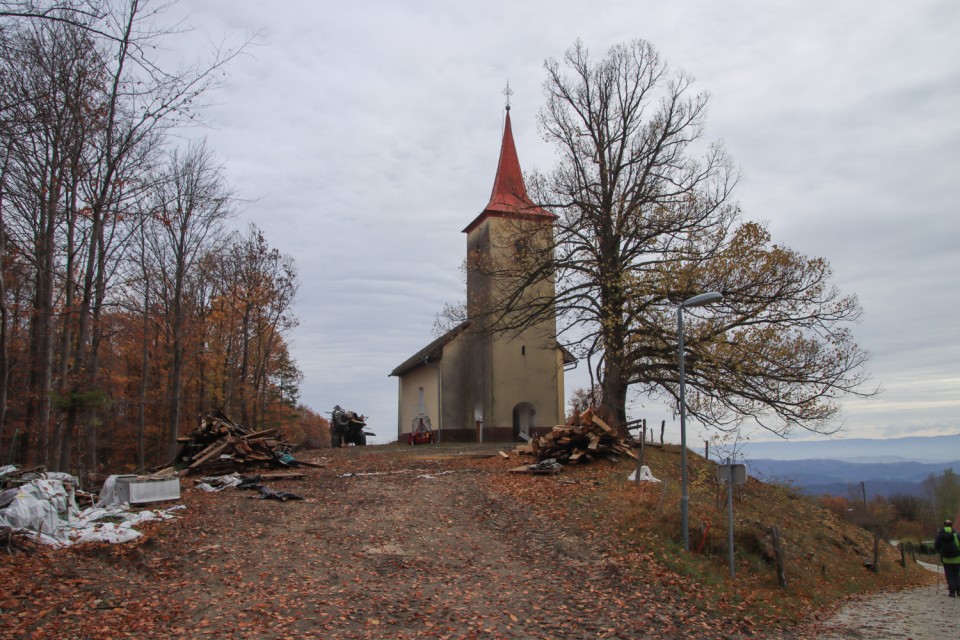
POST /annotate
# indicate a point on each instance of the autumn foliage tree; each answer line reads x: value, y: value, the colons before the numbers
x: 646, y: 220
x: 583, y: 398
x: 253, y: 291
x: 121, y: 282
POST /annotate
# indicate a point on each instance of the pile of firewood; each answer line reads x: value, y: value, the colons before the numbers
x: 220, y: 445
x: 586, y: 438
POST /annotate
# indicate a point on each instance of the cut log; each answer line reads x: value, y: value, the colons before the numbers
x: 603, y: 425
x: 625, y: 452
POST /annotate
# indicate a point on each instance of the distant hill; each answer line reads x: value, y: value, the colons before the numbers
x: 928, y: 449
x: 843, y: 478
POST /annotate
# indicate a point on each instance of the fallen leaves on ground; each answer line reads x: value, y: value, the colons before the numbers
x: 405, y: 547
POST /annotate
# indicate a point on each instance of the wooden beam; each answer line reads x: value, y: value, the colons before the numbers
x: 211, y: 451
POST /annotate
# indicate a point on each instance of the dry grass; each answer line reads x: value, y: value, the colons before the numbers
x: 825, y: 557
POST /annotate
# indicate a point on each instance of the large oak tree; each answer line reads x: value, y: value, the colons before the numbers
x: 647, y: 220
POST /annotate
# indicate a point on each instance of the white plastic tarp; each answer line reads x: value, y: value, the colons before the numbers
x: 7, y: 496
x: 28, y: 512
x: 645, y: 475
x: 47, y: 509
x: 212, y: 484
x: 52, y: 490
x: 108, y: 493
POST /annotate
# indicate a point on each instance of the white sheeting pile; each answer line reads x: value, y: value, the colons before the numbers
x: 645, y: 475
x: 46, y: 508
x: 212, y: 484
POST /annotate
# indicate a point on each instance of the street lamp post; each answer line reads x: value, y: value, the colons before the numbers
x: 695, y: 301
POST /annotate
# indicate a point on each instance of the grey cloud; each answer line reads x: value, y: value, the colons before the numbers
x: 366, y: 137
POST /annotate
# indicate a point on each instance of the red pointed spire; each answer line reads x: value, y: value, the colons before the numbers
x: 509, y: 192
x: 509, y: 196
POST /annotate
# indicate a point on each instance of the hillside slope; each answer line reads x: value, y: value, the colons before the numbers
x: 825, y: 558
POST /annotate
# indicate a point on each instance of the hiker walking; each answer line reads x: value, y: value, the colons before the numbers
x: 947, y: 545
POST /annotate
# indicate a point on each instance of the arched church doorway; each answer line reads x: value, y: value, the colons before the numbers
x: 524, y: 419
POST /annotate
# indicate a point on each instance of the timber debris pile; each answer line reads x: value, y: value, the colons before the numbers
x: 585, y: 438
x: 220, y: 445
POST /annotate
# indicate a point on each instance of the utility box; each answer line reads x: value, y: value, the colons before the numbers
x: 145, y: 489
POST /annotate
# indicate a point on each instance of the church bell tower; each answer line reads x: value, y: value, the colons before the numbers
x: 516, y: 381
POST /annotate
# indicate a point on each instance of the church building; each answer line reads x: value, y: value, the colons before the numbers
x: 475, y: 385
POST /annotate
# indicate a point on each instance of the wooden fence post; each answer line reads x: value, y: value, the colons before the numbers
x: 778, y: 556
x: 640, y: 453
x: 876, y: 553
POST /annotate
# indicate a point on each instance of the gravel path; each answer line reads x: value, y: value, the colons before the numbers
x: 925, y: 613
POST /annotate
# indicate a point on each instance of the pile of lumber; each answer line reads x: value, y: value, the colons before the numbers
x: 220, y: 445
x: 586, y: 438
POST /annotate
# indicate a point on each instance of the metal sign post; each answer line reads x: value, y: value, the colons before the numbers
x: 730, y: 475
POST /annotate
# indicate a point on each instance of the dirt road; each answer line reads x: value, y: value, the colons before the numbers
x: 385, y: 546
x: 410, y: 551
x: 382, y: 548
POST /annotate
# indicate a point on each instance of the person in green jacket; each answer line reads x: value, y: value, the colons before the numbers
x: 947, y: 545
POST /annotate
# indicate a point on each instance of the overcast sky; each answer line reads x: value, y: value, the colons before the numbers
x: 366, y: 136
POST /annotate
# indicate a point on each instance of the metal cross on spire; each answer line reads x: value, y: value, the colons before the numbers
x: 508, y: 92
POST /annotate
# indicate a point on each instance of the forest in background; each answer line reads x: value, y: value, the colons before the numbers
x: 129, y: 302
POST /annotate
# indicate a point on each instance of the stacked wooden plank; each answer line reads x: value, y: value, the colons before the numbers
x: 219, y: 445
x: 585, y: 439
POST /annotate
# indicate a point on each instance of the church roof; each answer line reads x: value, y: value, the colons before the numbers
x: 509, y: 196
x: 568, y: 358
x: 433, y: 351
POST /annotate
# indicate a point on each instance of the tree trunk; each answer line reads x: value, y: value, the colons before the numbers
x: 4, y: 314
x: 61, y: 439
x: 144, y: 378
x: 244, y: 367
x: 176, y: 381
x: 38, y: 453
x: 93, y: 361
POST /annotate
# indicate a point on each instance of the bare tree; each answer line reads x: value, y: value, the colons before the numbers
x: 192, y: 202
x: 5, y: 267
x: 82, y: 13
x: 50, y: 77
x: 646, y: 221
x: 85, y: 108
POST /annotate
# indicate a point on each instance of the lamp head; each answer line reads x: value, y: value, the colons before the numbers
x: 704, y: 298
